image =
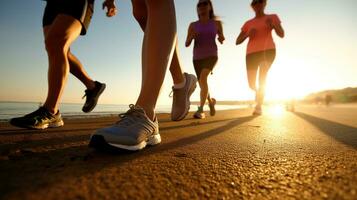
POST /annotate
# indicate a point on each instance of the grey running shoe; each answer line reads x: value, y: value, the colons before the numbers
x: 133, y: 132
x: 92, y: 96
x: 199, y: 114
x: 181, y: 98
x: 212, y: 108
x: 39, y: 119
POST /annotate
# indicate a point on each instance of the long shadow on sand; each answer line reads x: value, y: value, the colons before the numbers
x: 28, y: 142
x: 340, y: 132
x: 17, y: 173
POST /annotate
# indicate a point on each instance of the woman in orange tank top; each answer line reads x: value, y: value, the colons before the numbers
x: 261, y: 48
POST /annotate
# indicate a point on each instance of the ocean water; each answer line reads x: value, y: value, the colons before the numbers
x: 9, y: 110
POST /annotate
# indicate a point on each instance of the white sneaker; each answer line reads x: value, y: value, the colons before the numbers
x: 199, y: 114
x: 133, y: 132
x: 181, y: 98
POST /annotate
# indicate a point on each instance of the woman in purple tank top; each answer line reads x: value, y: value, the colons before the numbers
x: 204, y: 32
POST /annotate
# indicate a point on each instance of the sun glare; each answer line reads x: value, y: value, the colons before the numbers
x: 291, y: 82
x: 276, y: 110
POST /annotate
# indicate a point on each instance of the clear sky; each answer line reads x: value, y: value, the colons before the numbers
x: 318, y: 52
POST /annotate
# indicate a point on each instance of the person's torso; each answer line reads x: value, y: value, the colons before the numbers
x: 205, y: 42
x: 262, y: 39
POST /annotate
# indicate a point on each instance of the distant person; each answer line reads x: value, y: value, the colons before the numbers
x: 184, y: 83
x: 290, y: 105
x: 328, y: 99
x: 63, y: 22
x: 261, y: 48
x: 139, y: 126
x: 204, y: 32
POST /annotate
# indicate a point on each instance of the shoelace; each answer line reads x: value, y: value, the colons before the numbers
x: 86, y: 93
x: 130, y: 117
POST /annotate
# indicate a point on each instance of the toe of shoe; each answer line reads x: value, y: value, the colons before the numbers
x: 116, y: 135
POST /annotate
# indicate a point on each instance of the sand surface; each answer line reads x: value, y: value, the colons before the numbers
x: 309, y: 154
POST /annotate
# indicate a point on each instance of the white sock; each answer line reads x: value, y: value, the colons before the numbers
x: 182, y: 84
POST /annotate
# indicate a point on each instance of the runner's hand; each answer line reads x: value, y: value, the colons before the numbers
x: 194, y: 34
x: 221, y: 39
x: 111, y: 8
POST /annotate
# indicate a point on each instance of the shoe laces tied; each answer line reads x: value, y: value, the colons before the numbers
x: 133, y: 115
x: 86, y: 93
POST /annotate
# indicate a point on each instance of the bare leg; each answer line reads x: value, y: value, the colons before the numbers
x: 58, y: 38
x: 209, y: 99
x: 77, y: 69
x: 175, y: 67
x: 140, y: 14
x: 160, y: 34
x: 263, y: 72
x: 252, y: 78
x: 204, y: 86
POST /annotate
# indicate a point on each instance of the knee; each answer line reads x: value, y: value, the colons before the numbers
x: 203, y: 80
x: 70, y: 55
x: 56, y: 44
x: 203, y: 83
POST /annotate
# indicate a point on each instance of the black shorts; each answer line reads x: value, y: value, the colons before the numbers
x: 255, y: 59
x: 206, y: 63
x: 82, y: 10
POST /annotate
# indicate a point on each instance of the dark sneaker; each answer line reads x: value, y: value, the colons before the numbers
x: 39, y: 119
x: 199, y: 114
x: 92, y: 96
x: 132, y: 132
x: 212, y: 109
x: 181, y: 98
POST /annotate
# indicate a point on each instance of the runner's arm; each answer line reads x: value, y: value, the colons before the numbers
x: 190, y: 35
x: 240, y: 39
x: 221, y: 37
x: 279, y: 30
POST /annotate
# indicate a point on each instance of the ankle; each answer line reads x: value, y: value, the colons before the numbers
x: 210, y: 100
x: 150, y: 113
x: 200, y: 108
x: 180, y: 84
x: 90, y: 85
x: 53, y: 111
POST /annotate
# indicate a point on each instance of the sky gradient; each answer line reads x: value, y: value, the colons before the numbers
x: 317, y: 53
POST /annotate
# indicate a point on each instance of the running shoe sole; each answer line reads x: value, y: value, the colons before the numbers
x: 40, y: 127
x: 98, y: 142
x: 199, y: 117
